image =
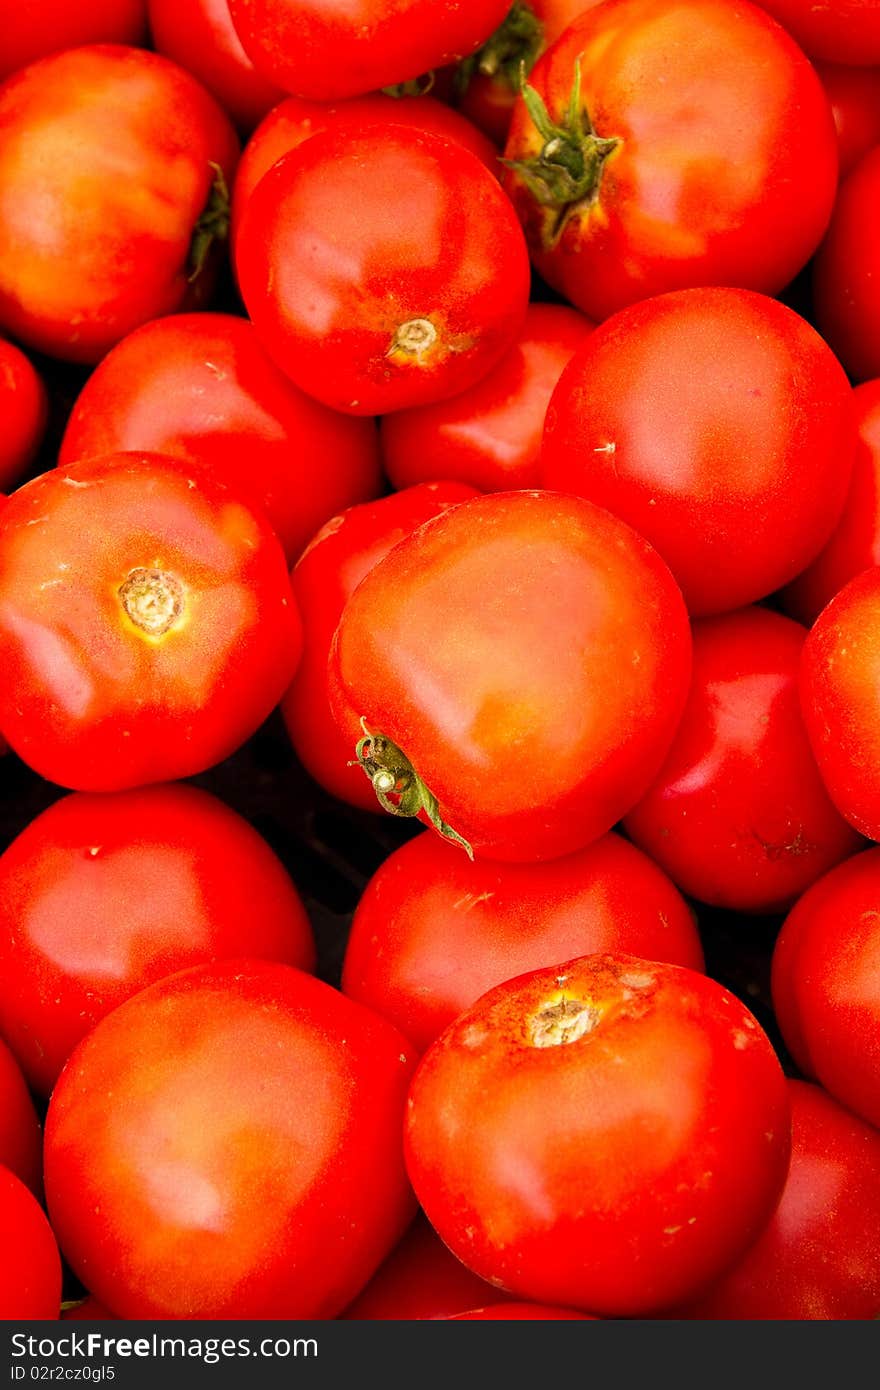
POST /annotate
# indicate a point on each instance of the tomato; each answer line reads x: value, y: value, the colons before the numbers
x: 293, y: 121
x: 671, y: 143
x: 201, y: 37
x: 718, y: 424
x: 201, y: 388
x: 21, y: 1137
x: 826, y: 991
x: 326, y: 51
x: 323, y: 580
x: 840, y: 31
x: 606, y: 1135
x: 520, y: 1312
x: 421, y: 1279
x: 840, y: 695
x: 854, y: 94
x: 112, y: 167
x: 739, y: 816
x: 432, y: 932
x: 520, y: 665
x: 30, y: 1271
x: 254, y: 1110
x: 490, y: 435
x: 34, y: 28
x: 382, y: 268
x: 24, y: 405
x: 147, y: 626
x: 846, y: 273
x: 103, y: 894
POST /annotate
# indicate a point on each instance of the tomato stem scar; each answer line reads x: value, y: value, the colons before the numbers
x: 153, y: 599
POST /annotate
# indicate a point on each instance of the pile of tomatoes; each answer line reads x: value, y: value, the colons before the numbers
x: 475, y: 410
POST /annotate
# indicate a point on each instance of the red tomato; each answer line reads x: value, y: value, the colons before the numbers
x: 201, y: 388
x: 855, y: 544
x: 607, y: 1135
x: 201, y: 37
x: 250, y: 1165
x: 30, y: 1271
x: 433, y: 932
x: 21, y: 1138
x: 846, y: 273
x: 382, y: 268
x: 294, y: 121
x: 323, y: 581
x: 34, y: 28
x: 840, y: 695
x: 520, y: 1312
x: 24, y: 410
x: 854, y: 94
x: 326, y: 51
x: 421, y: 1279
x: 718, y: 424
x: 826, y: 990
x: 147, y: 625
x: 489, y: 436
x: 841, y: 31
x: 819, y: 1256
x: 520, y: 664
x: 739, y: 816
x: 713, y: 160
x: 102, y: 895
x: 111, y: 166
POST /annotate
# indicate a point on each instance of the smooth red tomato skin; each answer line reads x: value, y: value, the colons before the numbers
x: 719, y: 425
x: 323, y: 580
x: 351, y: 243
x: 254, y: 1109
x: 489, y: 436
x: 520, y: 1312
x: 846, y: 273
x: 93, y: 699
x: 840, y: 698
x: 34, y: 28
x: 818, y: 1258
x: 420, y: 1280
x: 103, y: 894
x: 839, y: 31
x: 200, y: 387
x: 726, y: 167
x: 855, y: 543
x: 607, y: 1135
x: 433, y: 932
x: 294, y: 121
x: 739, y: 816
x: 825, y: 988
x: 21, y: 1137
x: 854, y: 94
x: 25, y: 407
x: 30, y: 1272
x: 106, y: 166
x: 201, y: 38
x: 530, y: 655
x: 325, y: 52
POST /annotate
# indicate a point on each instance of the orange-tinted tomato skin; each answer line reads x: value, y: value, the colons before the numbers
x: 21, y: 1136
x: 24, y: 406
x: 846, y: 273
x: 30, y: 1272
x: 34, y: 28
x: 838, y: 31
x: 421, y: 1279
x: 854, y: 94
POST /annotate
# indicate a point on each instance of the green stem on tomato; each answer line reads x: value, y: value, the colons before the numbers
x: 399, y: 788
x: 213, y: 225
x: 508, y: 54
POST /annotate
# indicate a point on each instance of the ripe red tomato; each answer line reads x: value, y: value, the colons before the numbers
x: 21, y: 1137
x: 819, y: 1255
x: 520, y: 665
x: 421, y: 1279
x: 432, y: 931
x: 841, y: 31
x: 520, y: 1312
x: 147, y: 625
x: 826, y: 990
x: 102, y: 895
x: 24, y: 410
x: 326, y: 51
x: 718, y: 424
x: 34, y: 28
x: 30, y: 1271
x: 671, y: 145
x: 201, y: 37
x: 111, y: 165
x: 606, y: 1135
x: 250, y: 1165
x: 201, y: 388
x: 382, y: 268
x: 490, y: 435
x: 840, y: 695
x: 323, y: 581
x: 846, y: 273
x: 739, y: 816
x: 854, y: 94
